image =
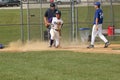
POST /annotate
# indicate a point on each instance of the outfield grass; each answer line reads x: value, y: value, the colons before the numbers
x: 59, y: 65
x: 85, y: 14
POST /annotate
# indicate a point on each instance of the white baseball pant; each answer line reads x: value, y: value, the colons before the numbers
x: 55, y: 36
x: 98, y: 32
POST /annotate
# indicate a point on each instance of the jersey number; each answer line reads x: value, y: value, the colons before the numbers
x: 101, y: 15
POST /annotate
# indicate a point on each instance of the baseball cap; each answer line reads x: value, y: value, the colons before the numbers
x: 52, y: 4
x: 97, y: 3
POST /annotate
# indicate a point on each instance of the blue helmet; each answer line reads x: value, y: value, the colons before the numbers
x: 97, y: 3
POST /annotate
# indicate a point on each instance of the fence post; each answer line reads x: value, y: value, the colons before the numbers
x: 41, y: 19
x: 112, y: 12
x: 21, y: 21
x: 73, y: 20
x: 28, y: 21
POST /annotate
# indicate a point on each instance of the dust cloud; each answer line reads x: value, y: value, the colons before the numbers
x: 36, y: 45
x: 27, y: 46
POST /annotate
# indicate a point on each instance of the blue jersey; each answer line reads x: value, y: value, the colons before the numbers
x: 99, y: 15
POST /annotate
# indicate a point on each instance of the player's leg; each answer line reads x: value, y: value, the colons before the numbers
x: 48, y: 30
x: 102, y: 36
x: 57, y: 43
x: 100, y: 33
x: 52, y: 37
x: 57, y: 39
x: 94, y: 34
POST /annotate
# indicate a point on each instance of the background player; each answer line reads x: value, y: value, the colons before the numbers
x: 55, y: 30
x: 97, y: 27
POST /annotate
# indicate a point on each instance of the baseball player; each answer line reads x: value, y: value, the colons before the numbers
x: 49, y: 14
x: 55, y: 30
x: 97, y: 26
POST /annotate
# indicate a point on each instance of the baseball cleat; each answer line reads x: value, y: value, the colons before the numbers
x: 50, y: 46
x: 57, y: 46
x: 90, y: 46
x: 107, y: 44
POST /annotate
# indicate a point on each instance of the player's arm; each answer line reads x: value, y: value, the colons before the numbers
x: 61, y: 28
x: 96, y: 23
x: 62, y: 24
x: 46, y: 22
x: 97, y: 19
x: 46, y: 19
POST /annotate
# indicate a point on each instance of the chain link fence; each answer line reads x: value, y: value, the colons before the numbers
x: 26, y: 21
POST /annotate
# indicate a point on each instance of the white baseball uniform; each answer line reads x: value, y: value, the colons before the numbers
x: 55, y: 30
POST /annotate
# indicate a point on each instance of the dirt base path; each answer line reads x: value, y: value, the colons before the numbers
x: 43, y: 46
x: 112, y: 49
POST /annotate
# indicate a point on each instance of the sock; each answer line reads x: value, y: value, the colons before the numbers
x: 51, y: 42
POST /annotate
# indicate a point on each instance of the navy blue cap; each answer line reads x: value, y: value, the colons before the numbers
x: 52, y: 4
x: 97, y: 3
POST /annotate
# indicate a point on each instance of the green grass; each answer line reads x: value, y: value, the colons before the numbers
x: 58, y: 65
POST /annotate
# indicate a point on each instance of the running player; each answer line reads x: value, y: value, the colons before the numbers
x: 55, y: 30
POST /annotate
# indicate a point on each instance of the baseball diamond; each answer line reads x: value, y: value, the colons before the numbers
x: 47, y: 41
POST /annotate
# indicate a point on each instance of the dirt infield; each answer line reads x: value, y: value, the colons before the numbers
x: 43, y: 46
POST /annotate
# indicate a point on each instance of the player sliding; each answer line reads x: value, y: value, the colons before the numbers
x: 55, y: 30
x: 97, y: 27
